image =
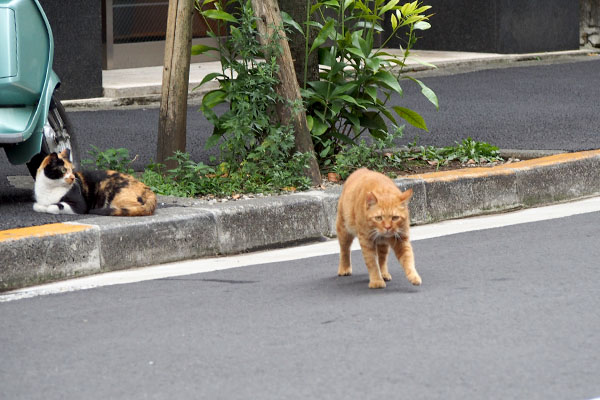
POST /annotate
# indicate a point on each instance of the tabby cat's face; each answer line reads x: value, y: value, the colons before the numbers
x: 387, y: 216
x: 57, y: 168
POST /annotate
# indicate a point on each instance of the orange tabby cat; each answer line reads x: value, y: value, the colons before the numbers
x: 373, y: 209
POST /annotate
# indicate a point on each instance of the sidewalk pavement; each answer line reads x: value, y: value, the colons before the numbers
x: 143, y: 85
x: 191, y: 228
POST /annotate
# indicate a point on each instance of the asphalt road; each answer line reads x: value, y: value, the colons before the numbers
x: 504, y: 313
x: 539, y: 107
x: 536, y: 105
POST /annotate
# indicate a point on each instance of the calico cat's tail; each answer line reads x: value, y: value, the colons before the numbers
x: 130, y: 203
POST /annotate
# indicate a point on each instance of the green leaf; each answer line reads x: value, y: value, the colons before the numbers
x: 343, y: 138
x: 327, y: 56
x: 420, y: 10
x: 350, y: 99
x: 309, y: 122
x: 213, y: 98
x: 344, y: 88
x: 373, y: 121
x: 422, y: 25
x: 318, y: 128
x: 394, y: 21
x: 427, y: 92
x: 209, y: 77
x: 387, y: 113
x: 389, y: 80
x: 424, y: 62
x: 287, y: 19
x: 322, y: 88
x: 388, y: 6
x: 372, y: 92
x: 411, y: 117
x: 353, y: 118
x: 373, y: 63
x: 220, y: 15
x: 365, y: 46
x: 323, y: 35
x: 356, y: 51
x: 201, y: 49
x: 412, y: 19
x: 337, y: 67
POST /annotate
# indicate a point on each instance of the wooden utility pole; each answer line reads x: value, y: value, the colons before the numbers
x: 176, y: 71
x: 269, y: 19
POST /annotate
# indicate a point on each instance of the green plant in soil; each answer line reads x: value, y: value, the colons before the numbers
x: 256, y: 153
x: 192, y: 179
x: 467, y: 149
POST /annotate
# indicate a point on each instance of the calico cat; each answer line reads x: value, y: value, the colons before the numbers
x: 373, y: 209
x: 60, y: 190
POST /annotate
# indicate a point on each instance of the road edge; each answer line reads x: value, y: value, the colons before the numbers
x: 189, y: 229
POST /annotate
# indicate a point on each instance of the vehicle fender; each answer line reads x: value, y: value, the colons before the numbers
x: 23, y: 152
x: 52, y: 83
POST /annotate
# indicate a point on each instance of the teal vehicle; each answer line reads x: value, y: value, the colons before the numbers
x: 33, y: 122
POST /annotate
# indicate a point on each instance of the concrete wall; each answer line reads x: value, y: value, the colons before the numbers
x: 502, y: 26
x: 77, y: 29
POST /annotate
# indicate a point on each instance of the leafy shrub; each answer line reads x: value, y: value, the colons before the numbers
x: 191, y: 179
x: 113, y: 159
x: 358, y: 78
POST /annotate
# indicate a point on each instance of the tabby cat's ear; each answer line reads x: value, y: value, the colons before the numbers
x: 371, y: 200
x: 404, y: 196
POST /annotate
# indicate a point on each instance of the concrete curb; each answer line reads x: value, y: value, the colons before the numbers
x: 190, y: 228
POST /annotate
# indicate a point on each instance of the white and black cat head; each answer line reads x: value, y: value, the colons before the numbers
x: 57, y: 167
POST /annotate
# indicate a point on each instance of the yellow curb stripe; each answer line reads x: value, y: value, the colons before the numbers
x: 554, y: 159
x: 505, y: 169
x: 41, y: 231
x: 475, y: 172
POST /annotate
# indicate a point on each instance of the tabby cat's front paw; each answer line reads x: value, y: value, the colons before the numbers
x: 380, y: 284
x: 344, y: 271
x: 414, y: 278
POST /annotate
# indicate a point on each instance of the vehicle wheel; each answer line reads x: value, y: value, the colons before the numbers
x: 57, y: 136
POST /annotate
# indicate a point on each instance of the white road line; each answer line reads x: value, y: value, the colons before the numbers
x: 294, y: 253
